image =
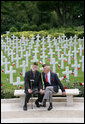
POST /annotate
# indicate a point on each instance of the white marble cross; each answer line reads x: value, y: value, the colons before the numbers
x: 65, y: 49
x: 7, y: 39
x: 75, y: 38
x: 66, y: 41
x: 38, y: 36
x: 10, y: 41
x: 12, y: 58
x: 6, y: 65
x: 56, y: 44
x: 75, y: 52
x: 54, y: 63
x: 27, y: 55
x: 67, y: 72
x: 54, y: 39
x: 69, y: 57
x: 2, y: 57
x: 43, y: 47
x: 18, y: 82
x: 71, y: 39
x: 79, y: 40
x: 23, y: 38
x: 5, y: 48
x: 29, y: 48
x: 51, y: 53
x: 24, y: 45
x: 32, y: 39
x: 82, y: 63
x: 17, y: 60
x: 75, y: 68
x: 23, y: 67
x: 70, y: 45
x: 58, y: 50
x: 62, y: 61
x: 27, y: 41
x: 13, y: 36
x: 35, y: 56
x: 21, y: 49
x: 62, y: 43
x: 11, y: 71
x: 81, y: 48
x: 48, y: 38
x: 13, y: 45
x: 37, y: 44
x: 43, y: 56
x: 8, y: 50
x: 17, y: 46
x: 49, y: 46
x: 43, y: 40
x: 59, y: 39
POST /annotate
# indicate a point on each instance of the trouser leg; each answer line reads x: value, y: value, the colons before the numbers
x: 40, y: 97
x: 48, y: 93
x: 27, y: 97
x: 50, y: 96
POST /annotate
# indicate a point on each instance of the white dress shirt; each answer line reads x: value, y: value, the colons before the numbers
x: 48, y: 76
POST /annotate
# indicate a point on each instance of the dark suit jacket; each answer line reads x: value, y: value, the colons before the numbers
x: 37, y: 80
x: 55, y: 82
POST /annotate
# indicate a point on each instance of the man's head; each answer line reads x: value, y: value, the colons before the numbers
x: 34, y: 66
x: 46, y: 68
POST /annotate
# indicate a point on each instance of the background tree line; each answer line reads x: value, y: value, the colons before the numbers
x: 40, y: 15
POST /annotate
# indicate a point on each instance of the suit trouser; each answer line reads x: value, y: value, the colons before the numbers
x: 48, y: 93
x: 28, y: 96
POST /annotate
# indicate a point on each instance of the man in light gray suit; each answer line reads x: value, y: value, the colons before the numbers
x: 52, y: 84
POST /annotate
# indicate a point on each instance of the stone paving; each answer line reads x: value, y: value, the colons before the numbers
x: 12, y: 112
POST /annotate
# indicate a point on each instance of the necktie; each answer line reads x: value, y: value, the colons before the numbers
x: 46, y: 78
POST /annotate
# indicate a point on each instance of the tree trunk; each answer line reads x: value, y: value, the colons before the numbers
x: 64, y: 14
x: 59, y: 14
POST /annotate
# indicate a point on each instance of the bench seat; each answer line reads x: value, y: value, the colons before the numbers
x: 69, y: 95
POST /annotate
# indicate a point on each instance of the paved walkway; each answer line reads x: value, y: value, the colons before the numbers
x: 12, y: 112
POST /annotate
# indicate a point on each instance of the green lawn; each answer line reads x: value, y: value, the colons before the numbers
x: 72, y: 79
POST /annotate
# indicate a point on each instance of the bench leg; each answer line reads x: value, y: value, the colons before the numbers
x: 22, y: 100
x: 69, y: 100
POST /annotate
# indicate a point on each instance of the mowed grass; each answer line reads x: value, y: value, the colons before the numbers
x: 5, y: 78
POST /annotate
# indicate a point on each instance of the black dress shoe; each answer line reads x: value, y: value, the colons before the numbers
x: 25, y: 108
x: 50, y: 107
x: 37, y: 103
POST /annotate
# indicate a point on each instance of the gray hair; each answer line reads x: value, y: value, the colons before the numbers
x: 48, y: 67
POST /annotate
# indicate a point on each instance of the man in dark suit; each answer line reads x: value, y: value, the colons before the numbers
x: 33, y: 84
x: 52, y: 84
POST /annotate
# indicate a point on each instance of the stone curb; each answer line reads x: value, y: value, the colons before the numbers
x: 55, y: 99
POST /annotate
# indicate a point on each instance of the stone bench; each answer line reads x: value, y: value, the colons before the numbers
x: 69, y: 95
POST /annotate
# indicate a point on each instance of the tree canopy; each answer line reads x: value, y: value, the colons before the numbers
x: 38, y: 15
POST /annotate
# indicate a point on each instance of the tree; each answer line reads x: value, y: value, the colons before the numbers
x: 65, y: 10
x: 52, y: 13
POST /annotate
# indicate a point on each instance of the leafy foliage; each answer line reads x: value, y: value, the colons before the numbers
x: 36, y: 14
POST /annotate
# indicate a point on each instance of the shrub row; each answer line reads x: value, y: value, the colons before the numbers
x: 44, y: 33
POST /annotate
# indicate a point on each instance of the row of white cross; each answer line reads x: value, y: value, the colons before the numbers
x: 20, y: 45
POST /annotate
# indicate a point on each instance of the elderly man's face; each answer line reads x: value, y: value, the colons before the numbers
x: 34, y: 67
x: 46, y: 69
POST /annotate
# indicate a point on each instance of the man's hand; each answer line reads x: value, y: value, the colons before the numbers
x: 41, y: 91
x: 63, y: 93
x: 30, y: 91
